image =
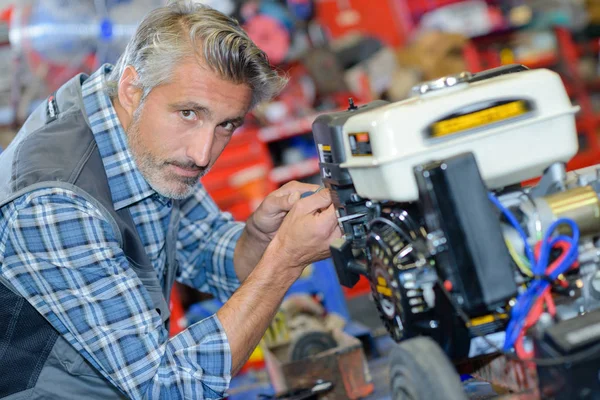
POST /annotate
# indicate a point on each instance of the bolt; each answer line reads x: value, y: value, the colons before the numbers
x: 433, y: 324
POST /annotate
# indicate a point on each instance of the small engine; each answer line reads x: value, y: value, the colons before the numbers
x: 432, y: 200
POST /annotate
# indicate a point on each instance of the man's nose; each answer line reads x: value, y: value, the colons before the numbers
x: 199, y: 148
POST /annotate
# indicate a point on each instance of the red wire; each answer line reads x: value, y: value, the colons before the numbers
x: 544, y: 299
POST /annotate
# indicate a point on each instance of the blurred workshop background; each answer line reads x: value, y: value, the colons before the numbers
x: 331, y: 50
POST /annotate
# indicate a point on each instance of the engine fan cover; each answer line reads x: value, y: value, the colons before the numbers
x: 392, y: 246
x: 405, y: 287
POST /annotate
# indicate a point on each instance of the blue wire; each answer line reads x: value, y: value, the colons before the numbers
x: 526, y: 300
x: 536, y: 288
x: 513, y: 221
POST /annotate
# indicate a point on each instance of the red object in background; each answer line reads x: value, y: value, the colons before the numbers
x: 6, y: 14
x: 379, y: 20
x: 391, y: 21
x: 239, y: 180
x: 483, y: 53
x: 55, y: 75
x: 362, y: 287
x: 270, y: 35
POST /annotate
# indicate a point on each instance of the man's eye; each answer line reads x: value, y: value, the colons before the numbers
x: 188, y: 115
x: 228, y: 126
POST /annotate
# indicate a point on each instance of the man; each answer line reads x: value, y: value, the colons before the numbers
x: 100, y: 211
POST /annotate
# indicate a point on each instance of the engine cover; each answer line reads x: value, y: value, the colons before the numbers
x: 499, y: 120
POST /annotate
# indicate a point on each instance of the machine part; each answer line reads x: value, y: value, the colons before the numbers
x: 552, y: 181
x: 476, y: 262
x: 508, y: 374
x: 328, y: 135
x: 451, y: 278
x: 404, y: 284
x: 580, y: 204
x: 594, y: 285
x: 420, y: 370
x: 486, y: 118
x: 577, y: 379
x: 445, y: 82
x: 395, y: 254
x: 499, y: 71
x: 352, y: 210
x: 341, y: 220
x: 345, y: 366
x: 384, y: 283
x: 310, y: 344
x: 342, y: 257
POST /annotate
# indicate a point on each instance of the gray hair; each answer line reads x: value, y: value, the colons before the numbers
x: 169, y: 34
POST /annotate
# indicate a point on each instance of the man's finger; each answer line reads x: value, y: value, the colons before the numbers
x: 295, y: 186
x: 316, y: 201
x: 275, y: 204
x: 329, y: 215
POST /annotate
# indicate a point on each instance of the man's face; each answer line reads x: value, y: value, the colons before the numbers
x: 182, y: 127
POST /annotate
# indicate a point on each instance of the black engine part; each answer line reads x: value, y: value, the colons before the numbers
x: 395, y: 257
x: 404, y: 283
x: 576, y: 341
x: 469, y: 248
x: 328, y: 135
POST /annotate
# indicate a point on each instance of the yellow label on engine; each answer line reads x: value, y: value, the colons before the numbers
x: 382, y: 287
x: 386, y: 291
x: 480, y: 118
x: 486, y: 319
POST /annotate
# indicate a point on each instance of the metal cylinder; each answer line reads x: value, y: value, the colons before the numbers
x: 580, y: 204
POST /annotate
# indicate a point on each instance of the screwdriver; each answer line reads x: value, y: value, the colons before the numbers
x: 340, y: 219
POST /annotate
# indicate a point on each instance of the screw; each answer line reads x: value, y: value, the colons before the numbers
x: 352, y: 106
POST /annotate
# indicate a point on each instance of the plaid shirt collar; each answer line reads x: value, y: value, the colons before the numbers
x: 127, y: 185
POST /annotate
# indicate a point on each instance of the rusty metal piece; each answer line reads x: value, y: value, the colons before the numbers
x: 518, y: 377
x: 345, y: 365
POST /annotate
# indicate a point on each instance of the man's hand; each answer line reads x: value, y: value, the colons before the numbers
x: 263, y: 224
x: 265, y: 221
x: 302, y: 238
x: 306, y: 232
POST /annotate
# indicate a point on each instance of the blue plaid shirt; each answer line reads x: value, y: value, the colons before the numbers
x: 61, y: 254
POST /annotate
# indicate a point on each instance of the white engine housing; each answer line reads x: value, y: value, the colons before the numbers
x: 515, y: 124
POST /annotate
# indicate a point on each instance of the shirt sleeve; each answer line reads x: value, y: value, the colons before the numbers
x: 206, y: 245
x: 62, y: 255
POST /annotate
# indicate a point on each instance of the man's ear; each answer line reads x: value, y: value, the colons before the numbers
x: 129, y: 94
